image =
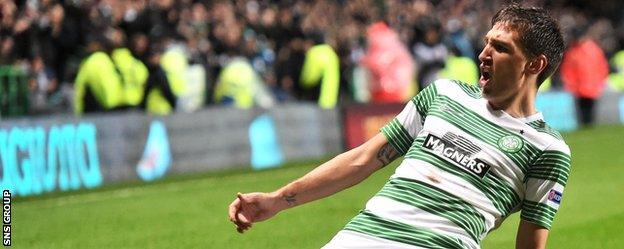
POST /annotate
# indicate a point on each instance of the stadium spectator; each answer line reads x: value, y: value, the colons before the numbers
x: 157, y: 95
x: 430, y: 52
x: 584, y: 72
x: 460, y: 68
x: 320, y: 76
x: 175, y: 65
x: 59, y: 38
x: 133, y: 73
x: 43, y: 83
x: 390, y: 66
x: 271, y: 35
x: 98, y: 85
x: 616, y: 79
x: 451, y: 190
x: 240, y: 86
x: 458, y: 40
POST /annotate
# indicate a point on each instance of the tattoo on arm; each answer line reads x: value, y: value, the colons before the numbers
x: 386, y: 154
x: 290, y: 199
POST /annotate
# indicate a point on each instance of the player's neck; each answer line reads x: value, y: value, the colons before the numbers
x: 518, y: 105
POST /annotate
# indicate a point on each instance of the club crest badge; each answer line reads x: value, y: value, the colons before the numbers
x: 510, y: 143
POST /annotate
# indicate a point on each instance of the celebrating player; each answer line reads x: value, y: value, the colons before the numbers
x: 472, y: 155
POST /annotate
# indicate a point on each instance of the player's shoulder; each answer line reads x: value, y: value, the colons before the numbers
x: 456, y: 88
x: 552, y: 136
x: 542, y: 127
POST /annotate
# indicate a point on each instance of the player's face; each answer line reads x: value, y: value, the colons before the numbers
x: 502, y: 64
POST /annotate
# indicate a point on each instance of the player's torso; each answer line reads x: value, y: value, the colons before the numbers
x: 478, y: 155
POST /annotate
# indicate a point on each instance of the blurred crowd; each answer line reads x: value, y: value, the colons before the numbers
x: 278, y: 51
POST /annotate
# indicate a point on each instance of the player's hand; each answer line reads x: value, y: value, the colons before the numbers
x: 247, y: 209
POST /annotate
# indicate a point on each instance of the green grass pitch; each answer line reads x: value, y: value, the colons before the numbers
x: 191, y: 212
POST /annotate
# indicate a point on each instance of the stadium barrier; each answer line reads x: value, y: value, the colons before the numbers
x: 609, y: 109
x: 62, y: 153
x: 363, y: 121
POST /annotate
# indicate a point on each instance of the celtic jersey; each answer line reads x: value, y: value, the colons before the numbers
x: 466, y: 168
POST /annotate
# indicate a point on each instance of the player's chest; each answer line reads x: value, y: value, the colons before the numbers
x: 476, y: 146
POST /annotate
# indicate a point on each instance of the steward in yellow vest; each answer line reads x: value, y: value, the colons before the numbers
x: 133, y: 76
x: 109, y: 79
x: 616, y: 79
x: 240, y: 86
x: 161, y: 93
x: 98, y: 84
x: 320, y: 76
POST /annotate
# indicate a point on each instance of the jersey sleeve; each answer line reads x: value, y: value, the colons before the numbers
x: 403, y: 128
x: 544, y: 185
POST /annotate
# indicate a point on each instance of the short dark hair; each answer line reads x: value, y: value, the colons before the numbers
x: 539, y: 34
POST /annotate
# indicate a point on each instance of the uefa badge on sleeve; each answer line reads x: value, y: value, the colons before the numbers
x: 555, y: 196
x: 510, y: 143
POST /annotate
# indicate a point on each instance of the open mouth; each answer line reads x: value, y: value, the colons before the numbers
x: 485, y: 78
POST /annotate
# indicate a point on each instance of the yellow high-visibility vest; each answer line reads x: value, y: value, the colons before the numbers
x: 175, y: 65
x: 134, y: 75
x: 98, y: 73
x: 461, y: 68
x: 616, y: 80
x: 236, y: 81
x: 322, y: 65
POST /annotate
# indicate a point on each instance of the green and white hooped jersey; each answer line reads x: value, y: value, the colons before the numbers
x: 466, y: 168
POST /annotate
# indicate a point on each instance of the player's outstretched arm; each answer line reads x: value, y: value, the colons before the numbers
x: 341, y: 172
x: 531, y: 236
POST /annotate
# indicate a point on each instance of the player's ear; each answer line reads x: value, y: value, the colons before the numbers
x: 537, y: 64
